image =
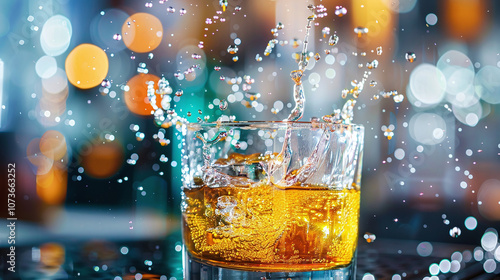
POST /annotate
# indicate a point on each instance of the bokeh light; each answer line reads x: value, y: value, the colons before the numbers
x: 136, y: 97
x: 427, y: 84
x: 142, y: 32
x: 51, y: 187
x: 46, y: 67
x: 427, y: 128
x: 424, y: 249
x: 489, y: 241
x: 487, y: 84
x: 53, y: 145
x: 86, y: 66
x: 42, y: 163
x: 56, y: 35
x: 488, y: 198
x: 102, y: 160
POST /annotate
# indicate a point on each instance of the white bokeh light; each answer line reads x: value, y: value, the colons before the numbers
x: 427, y: 128
x: 427, y: 84
x: 56, y: 35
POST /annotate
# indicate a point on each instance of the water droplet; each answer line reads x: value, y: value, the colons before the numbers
x: 373, y: 64
x: 237, y: 145
x: 106, y: 83
x: 297, y: 76
x: 171, y: 9
x: 317, y: 57
x: 369, y: 237
x: 455, y: 232
x: 340, y: 11
x: 410, y: 57
x: 373, y: 83
x: 182, y: 11
x: 151, y: 55
x: 223, y: 4
x: 232, y: 49
x: 217, y: 68
x: 379, y: 50
x: 360, y: 30
x: 189, y: 114
x: 398, y: 98
x: 200, y: 45
x: 196, y: 56
x: 148, y: 5
x: 237, y: 8
x: 117, y: 37
x: 334, y: 39
x: 258, y: 57
x: 325, y: 31
x: 235, y: 58
x: 223, y: 104
x: 200, y: 112
x: 179, y: 92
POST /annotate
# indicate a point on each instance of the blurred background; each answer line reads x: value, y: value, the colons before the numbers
x: 95, y: 161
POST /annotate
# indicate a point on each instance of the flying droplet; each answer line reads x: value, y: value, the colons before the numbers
x: 280, y: 26
x: 117, y: 37
x: 182, y: 11
x: 200, y: 45
x: 223, y: 104
x: 235, y: 58
x: 373, y: 64
x: 196, y: 56
x: 373, y: 83
x: 455, y: 232
x: 379, y: 50
x: 317, y: 57
x: 189, y: 114
x: 200, y: 112
x: 325, y: 31
x: 237, y: 145
x: 237, y: 8
x: 106, y: 83
x: 410, y: 57
x: 340, y: 11
x: 360, y: 30
x: 334, y: 39
x: 179, y: 92
x: 232, y: 49
x: 148, y: 5
x: 398, y: 98
x: 217, y: 68
x: 369, y: 237
x: 171, y: 9
x: 223, y: 4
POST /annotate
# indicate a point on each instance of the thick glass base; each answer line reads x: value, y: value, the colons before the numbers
x: 195, y: 270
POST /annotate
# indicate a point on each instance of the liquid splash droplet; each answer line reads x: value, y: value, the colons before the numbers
x: 455, y: 232
x: 410, y: 57
x: 340, y: 11
x: 369, y: 237
x: 232, y: 49
x: 360, y: 30
x: 223, y: 104
x: 117, y: 37
x: 334, y: 39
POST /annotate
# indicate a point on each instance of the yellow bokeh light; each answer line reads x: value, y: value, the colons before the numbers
x: 142, y: 32
x: 136, y: 97
x: 53, y: 145
x: 86, y: 66
x: 103, y: 160
x: 52, y: 186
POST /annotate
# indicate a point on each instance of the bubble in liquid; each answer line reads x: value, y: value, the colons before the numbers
x: 410, y: 57
x: 369, y: 237
x: 340, y: 11
x: 360, y: 30
x: 455, y: 232
x: 179, y: 92
x: 117, y: 37
x: 379, y: 50
x: 223, y: 104
x: 232, y: 49
x: 182, y: 11
x: 334, y: 39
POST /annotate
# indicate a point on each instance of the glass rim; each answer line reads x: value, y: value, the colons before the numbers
x: 272, y: 125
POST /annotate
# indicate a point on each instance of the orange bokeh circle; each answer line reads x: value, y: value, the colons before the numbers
x: 51, y: 187
x: 142, y: 32
x: 53, y: 145
x: 86, y: 66
x: 103, y: 160
x: 136, y: 98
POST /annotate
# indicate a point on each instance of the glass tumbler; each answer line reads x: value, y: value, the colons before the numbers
x: 271, y: 200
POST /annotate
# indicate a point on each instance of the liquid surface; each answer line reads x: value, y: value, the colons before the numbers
x: 271, y: 228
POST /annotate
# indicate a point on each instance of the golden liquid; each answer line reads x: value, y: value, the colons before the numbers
x: 264, y: 227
